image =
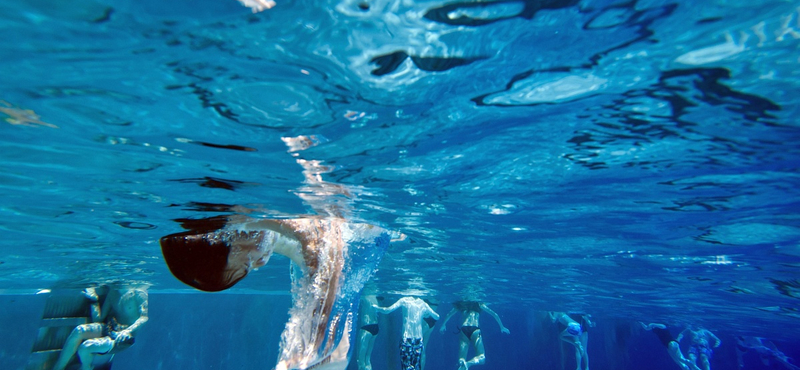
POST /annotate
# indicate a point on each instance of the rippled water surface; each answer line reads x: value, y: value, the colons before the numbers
x: 632, y: 159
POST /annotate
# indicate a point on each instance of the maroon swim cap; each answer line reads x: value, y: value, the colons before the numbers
x: 199, y: 260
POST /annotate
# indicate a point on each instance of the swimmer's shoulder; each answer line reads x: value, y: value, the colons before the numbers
x: 139, y: 295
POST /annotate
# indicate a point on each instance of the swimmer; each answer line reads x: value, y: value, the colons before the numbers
x: 699, y: 348
x: 415, y: 312
x: 673, y: 348
x: 258, y: 5
x: 575, y: 334
x: 427, y: 329
x: 368, y: 329
x: 470, y: 332
x: 113, y: 328
x: 331, y: 261
x: 765, y: 349
x: 22, y: 117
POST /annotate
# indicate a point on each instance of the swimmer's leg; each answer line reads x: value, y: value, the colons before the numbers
x: 91, y: 347
x: 76, y: 337
x: 674, y: 351
x: 480, y: 355
x: 786, y: 361
x: 365, y: 343
x: 571, y: 339
x: 463, y: 348
x: 585, y: 348
x: 693, y: 361
x: 705, y: 365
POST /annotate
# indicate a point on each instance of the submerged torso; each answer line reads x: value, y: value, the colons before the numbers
x: 471, y: 312
x: 414, y: 310
x: 126, y: 307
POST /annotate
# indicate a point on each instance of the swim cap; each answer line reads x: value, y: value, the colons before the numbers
x: 574, y: 328
x: 199, y: 260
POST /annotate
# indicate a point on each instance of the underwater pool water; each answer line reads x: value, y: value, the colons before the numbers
x: 634, y: 160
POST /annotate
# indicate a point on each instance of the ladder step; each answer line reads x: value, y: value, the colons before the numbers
x: 64, y: 321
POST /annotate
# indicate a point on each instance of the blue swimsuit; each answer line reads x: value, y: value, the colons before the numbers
x: 411, y: 354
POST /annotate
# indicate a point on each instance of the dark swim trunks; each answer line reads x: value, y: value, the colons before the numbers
x: 371, y: 328
x: 469, y: 330
x: 411, y: 354
x: 431, y: 321
x: 112, y: 329
x: 698, y: 350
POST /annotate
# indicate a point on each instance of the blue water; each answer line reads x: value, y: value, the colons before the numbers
x: 634, y: 160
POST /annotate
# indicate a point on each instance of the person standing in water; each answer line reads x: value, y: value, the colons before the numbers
x: 113, y: 328
x: 700, y: 347
x: 367, y: 330
x: 470, y: 332
x: 576, y: 334
x: 415, y: 311
x: 427, y: 329
x: 673, y: 348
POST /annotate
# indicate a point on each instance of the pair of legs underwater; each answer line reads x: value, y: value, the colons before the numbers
x: 673, y: 348
x: 469, y: 334
x: 368, y: 330
x: 114, y: 324
x: 575, y: 334
x: 86, y: 341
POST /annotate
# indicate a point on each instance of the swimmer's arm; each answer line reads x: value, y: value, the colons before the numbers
x: 289, y: 246
x: 389, y: 309
x: 94, y: 305
x: 396, y: 236
x: 447, y: 318
x: 103, y: 314
x: 496, y: 318
x: 717, y: 341
x: 652, y: 325
x: 589, y: 321
x: 431, y: 312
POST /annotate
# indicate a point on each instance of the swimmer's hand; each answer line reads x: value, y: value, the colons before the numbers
x: 258, y: 5
x: 397, y: 237
x: 90, y: 294
x: 123, y: 336
x: 442, y: 329
x: 505, y: 330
